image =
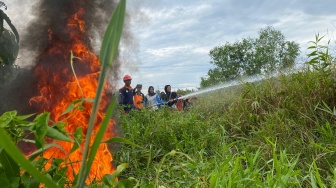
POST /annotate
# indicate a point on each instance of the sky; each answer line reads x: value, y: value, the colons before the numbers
x: 175, y: 36
x: 171, y: 39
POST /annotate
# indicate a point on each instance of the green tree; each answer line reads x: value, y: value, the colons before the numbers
x: 267, y: 53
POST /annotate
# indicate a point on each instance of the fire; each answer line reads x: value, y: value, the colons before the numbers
x: 58, y: 88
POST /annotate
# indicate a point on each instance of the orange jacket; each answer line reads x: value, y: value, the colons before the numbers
x: 139, y: 99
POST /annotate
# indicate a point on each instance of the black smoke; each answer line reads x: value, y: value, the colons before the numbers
x: 53, y: 15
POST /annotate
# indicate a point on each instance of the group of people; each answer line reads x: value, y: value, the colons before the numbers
x: 131, y: 98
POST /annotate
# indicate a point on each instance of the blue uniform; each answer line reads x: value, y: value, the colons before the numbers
x: 126, y: 98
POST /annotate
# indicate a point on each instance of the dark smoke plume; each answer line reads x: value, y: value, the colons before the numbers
x: 53, y: 14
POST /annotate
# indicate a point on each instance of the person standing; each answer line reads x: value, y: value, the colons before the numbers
x: 170, y: 97
x: 138, y: 97
x: 125, y: 97
x: 153, y: 99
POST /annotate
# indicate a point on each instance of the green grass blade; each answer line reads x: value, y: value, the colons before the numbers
x: 74, y: 73
x: 108, y: 52
x: 100, y: 134
x: 15, y: 153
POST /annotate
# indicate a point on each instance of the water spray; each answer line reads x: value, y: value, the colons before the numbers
x: 236, y: 82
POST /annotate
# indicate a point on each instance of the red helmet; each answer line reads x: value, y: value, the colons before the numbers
x: 127, y: 77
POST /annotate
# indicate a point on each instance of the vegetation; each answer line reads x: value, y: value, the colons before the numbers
x: 279, y: 132
x: 265, y: 54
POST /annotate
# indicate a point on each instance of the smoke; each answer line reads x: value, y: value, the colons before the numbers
x: 34, y: 19
x: 53, y: 15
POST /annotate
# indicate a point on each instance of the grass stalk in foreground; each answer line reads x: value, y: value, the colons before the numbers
x: 107, y: 55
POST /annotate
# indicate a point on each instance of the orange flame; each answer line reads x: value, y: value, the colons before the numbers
x: 58, y: 88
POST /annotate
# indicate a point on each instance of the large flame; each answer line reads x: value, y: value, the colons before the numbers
x: 58, y: 88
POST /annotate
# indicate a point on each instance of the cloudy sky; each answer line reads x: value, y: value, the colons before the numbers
x: 172, y: 38
x: 175, y: 36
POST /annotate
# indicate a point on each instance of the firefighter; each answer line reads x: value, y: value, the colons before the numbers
x: 125, y: 98
x: 9, y: 40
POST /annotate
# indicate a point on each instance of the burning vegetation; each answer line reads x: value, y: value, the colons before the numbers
x: 62, y: 29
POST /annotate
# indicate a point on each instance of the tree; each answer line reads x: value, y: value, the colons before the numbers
x: 267, y: 53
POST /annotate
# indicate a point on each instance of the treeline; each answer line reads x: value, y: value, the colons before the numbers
x: 251, y: 56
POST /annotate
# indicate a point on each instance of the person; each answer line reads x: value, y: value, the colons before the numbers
x: 9, y: 42
x: 138, y: 97
x: 153, y: 99
x: 170, y: 97
x: 162, y: 99
x: 188, y: 102
x: 179, y: 103
x: 162, y: 96
x: 125, y: 97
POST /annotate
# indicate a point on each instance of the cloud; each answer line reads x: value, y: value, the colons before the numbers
x: 174, y: 46
x: 168, y: 51
x: 175, y: 36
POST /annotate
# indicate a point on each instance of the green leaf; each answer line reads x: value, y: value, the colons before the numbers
x: 55, y: 134
x: 11, y: 149
x: 28, y: 181
x: 41, y: 150
x: 320, y: 147
x: 6, y: 118
x: 4, y: 180
x: 41, y: 128
x: 317, y: 176
x: 314, y: 53
x: 69, y: 109
x: 119, y: 184
x: 74, y: 103
x: 25, y: 116
x: 110, y: 179
x: 60, y: 177
x: 112, y: 35
x: 60, y: 127
x: 89, y: 100
x: 312, y: 180
x: 10, y: 167
x: 78, y: 136
x: 145, y: 182
x: 14, y: 182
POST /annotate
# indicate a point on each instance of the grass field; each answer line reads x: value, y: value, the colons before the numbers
x: 279, y: 132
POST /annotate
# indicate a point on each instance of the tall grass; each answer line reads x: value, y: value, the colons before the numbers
x: 279, y: 132
x: 108, y: 52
